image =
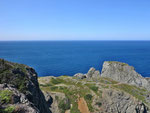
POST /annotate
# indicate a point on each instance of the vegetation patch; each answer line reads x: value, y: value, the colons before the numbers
x: 45, y: 85
x: 88, y: 99
x: 121, y: 63
x: 133, y: 90
x: 72, y: 88
x: 15, y: 74
x: 105, y: 80
x: 54, y: 88
x: 5, y: 96
x: 93, y: 88
x: 56, y: 81
x: 64, y: 105
x: 9, y: 109
x: 99, y: 104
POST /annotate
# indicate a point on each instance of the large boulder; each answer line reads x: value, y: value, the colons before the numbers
x: 93, y: 73
x: 24, y: 79
x: 124, y: 73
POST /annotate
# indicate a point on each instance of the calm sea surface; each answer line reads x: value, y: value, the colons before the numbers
x: 70, y: 57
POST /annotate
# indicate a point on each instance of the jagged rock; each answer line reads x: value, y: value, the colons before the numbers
x: 24, y: 79
x: 93, y: 73
x: 123, y: 73
x: 17, y: 99
x: 141, y: 108
x: 48, y: 99
x: 119, y: 102
x: 56, y: 97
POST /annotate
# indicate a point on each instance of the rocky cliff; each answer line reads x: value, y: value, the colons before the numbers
x: 19, y: 89
x: 117, y: 89
x: 123, y: 73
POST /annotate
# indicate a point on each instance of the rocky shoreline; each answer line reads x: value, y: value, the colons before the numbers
x: 118, y: 88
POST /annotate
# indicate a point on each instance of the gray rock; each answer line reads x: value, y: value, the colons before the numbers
x: 56, y: 97
x: 124, y: 73
x: 120, y: 102
x: 92, y: 73
x: 24, y: 79
x: 19, y: 100
x: 48, y: 99
x: 141, y: 108
x: 80, y: 75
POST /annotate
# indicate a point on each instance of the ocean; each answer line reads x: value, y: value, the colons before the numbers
x: 57, y: 58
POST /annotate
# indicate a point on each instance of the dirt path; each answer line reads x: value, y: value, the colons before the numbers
x: 82, y: 105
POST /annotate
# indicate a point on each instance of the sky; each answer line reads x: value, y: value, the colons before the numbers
x: 74, y: 19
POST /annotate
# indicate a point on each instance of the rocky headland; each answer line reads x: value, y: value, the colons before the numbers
x: 118, y: 88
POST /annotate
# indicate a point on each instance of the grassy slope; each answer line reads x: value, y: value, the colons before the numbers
x: 73, y: 88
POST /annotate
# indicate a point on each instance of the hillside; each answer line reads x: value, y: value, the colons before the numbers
x: 117, y: 89
x: 101, y: 96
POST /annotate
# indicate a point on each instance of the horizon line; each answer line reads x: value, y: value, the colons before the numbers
x: 71, y: 40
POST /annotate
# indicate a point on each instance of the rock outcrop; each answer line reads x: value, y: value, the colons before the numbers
x: 91, y: 74
x: 123, y: 73
x: 24, y: 80
x: 120, y: 102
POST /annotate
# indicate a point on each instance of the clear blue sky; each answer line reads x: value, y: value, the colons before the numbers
x: 74, y: 19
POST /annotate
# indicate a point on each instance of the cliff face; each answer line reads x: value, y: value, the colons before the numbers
x: 21, y: 81
x: 124, y: 73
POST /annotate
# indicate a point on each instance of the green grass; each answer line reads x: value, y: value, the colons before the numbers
x: 9, y: 109
x: 45, y: 85
x: 123, y: 64
x: 54, y: 88
x: 105, y: 80
x: 70, y: 92
x: 15, y: 74
x: 74, y: 109
x: 93, y: 88
x: 5, y: 96
x: 132, y: 90
x: 56, y: 81
x: 88, y: 99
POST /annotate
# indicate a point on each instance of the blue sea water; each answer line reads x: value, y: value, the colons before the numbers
x: 69, y: 57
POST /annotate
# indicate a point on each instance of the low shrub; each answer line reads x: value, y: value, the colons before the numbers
x: 88, y: 97
x: 64, y: 105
